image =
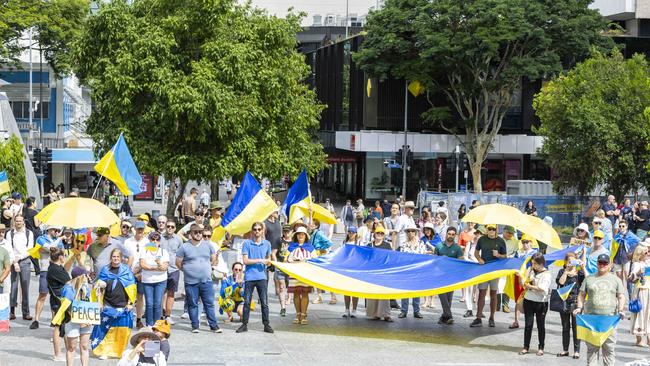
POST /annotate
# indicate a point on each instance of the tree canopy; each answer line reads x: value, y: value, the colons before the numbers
x: 595, y: 129
x: 11, y: 160
x: 55, y: 25
x: 476, y: 53
x: 201, y: 89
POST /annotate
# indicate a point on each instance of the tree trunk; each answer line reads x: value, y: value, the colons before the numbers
x: 172, y: 200
x: 475, y: 167
x: 214, y: 190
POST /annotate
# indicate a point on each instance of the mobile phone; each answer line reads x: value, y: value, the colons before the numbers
x: 151, y: 348
x: 575, y: 262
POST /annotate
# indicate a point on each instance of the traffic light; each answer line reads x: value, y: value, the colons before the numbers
x: 36, y: 160
x: 409, y: 158
x: 46, y: 160
x: 399, y: 159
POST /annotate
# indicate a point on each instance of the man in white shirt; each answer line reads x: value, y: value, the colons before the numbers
x: 205, y: 199
x: 404, y: 221
x: 135, y: 246
x: 16, y: 207
x: 21, y: 240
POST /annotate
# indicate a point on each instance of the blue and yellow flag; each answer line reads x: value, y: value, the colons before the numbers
x: 111, y: 337
x: 124, y: 276
x: 565, y: 291
x: 383, y: 274
x: 250, y: 204
x: 595, y: 329
x: 4, y: 182
x: 557, y: 257
x: 118, y: 167
x: 67, y: 298
x: 298, y: 203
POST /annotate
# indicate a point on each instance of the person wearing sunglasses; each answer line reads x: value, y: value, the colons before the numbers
x: 590, y: 256
x: 135, y: 246
x: 195, y: 259
x: 602, y: 294
x: 256, y: 252
x: 154, y: 261
x: 604, y: 225
x: 231, y: 294
x: 489, y: 248
x: 171, y: 242
x: 125, y: 232
x: 627, y: 242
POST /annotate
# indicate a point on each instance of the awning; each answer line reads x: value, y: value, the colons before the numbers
x: 73, y: 156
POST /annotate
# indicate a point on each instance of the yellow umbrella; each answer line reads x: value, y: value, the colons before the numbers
x: 320, y: 213
x: 493, y: 213
x: 76, y: 212
x: 540, y: 230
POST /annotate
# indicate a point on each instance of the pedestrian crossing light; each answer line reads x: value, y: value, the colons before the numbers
x: 37, y: 160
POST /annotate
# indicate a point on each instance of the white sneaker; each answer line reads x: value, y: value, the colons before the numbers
x: 346, y: 314
x: 103, y: 357
x: 196, y: 330
x: 185, y: 316
x: 353, y: 314
x: 59, y: 358
x: 169, y: 320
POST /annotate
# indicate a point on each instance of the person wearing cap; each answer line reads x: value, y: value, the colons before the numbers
x: 256, y: 252
x: 125, y: 231
x: 360, y: 212
x: 280, y: 253
x: 430, y: 240
x: 171, y: 242
x: 379, y: 309
x: 21, y: 240
x: 46, y: 241
x: 17, y: 204
x: 100, y: 249
x: 195, y: 258
x: 591, y: 254
x: 600, y: 224
x: 215, y: 213
x: 135, y: 355
x: 450, y: 249
x: 135, y: 246
x: 627, y: 242
x: 602, y: 294
x: 489, y: 248
x: 405, y: 220
x: 300, y: 250
x: 67, y: 238
x: 412, y: 245
x: 5, y: 213
x: 6, y: 258
x: 163, y: 330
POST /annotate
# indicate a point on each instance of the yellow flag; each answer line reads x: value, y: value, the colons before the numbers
x: 416, y: 88
x: 368, y: 87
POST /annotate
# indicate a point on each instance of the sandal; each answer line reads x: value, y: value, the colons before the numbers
x: 332, y: 302
x: 514, y: 325
x: 563, y: 354
x: 317, y: 300
x: 523, y: 352
x: 297, y: 319
x: 304, y: 321
x: 540, y: 352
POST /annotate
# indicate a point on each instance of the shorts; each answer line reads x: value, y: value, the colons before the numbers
x: 492, y: 284
x: 237, y: 303
x: 172, y: 281
x: 229, y: 192
x: 279, y: 275
x: 140, y: 287
x: 74, y: 330
x: 42, y: 283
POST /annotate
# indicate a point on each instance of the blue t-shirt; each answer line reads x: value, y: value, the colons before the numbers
x: 197, y: 263
x: 254, y: 250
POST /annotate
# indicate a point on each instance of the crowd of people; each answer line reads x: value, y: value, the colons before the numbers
x: 161, y: 256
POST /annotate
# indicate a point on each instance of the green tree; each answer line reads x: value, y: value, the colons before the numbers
x: 55, y: 24
x: 201, y: 89
x: 475, y: 53
x: 595, y: 129
x: 11, y: 160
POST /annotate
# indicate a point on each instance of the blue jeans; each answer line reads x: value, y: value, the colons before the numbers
x: 153, y: 295
x: 416, y: 305
x: 262, y: 292
x: 205, y: 292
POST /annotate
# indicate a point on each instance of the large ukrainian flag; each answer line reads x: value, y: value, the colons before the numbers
x: 595, y: 329
x: 250, y: 204
x: 298, y: 203
x: 118, y: 167
x: 4, y: 182
x: 384, y: 274
x: 111, y: 337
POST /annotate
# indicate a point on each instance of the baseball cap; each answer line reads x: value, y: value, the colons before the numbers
x: 491, y: 226
x: 599, y: 234
x: 139, y: 225
x: 78, y: 271
x: 17, y: 196
x: 352, y: 229
x: 509, y: 229
x: 480, y: 229
x: 380, y: 229
x: 5, y: 197
x: 409, y: 204
x: 103, y: 231
x: 603, y: 258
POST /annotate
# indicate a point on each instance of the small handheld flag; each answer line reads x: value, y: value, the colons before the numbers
x: 595, y: 329
x: 4, y: 182
x: 118, y: 167
x: 152, y: 247
x: 565, y: 291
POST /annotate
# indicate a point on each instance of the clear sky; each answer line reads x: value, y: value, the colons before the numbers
x: 311, y: 7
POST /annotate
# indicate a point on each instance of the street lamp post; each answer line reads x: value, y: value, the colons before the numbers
x: 405, y: 147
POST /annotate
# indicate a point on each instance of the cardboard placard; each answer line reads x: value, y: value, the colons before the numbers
x: 84, y: 312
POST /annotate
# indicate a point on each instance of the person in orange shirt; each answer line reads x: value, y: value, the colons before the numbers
x: 466, y: 236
